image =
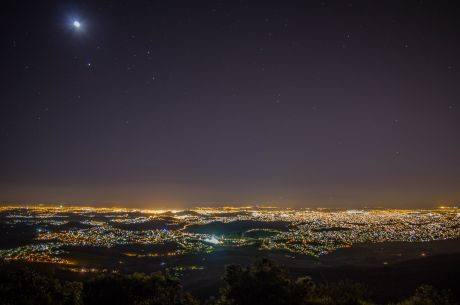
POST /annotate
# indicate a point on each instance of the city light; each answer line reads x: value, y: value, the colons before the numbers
x: 312, y: 232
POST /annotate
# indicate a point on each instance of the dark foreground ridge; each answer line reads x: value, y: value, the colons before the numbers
x: 261, y: 283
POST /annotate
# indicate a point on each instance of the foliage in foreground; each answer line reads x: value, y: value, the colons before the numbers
x: 427, y: 295
x: 135, y: 289
x: 262, y: 283
x: 29, y: 288
x: 265, y: 283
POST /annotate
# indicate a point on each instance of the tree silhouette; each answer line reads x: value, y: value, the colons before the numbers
x: 268, y: 284
x: 29, y: 288
x: 262, y: 283
x: 427, y: 295
x: 135, y: 289
x: 343, y: 293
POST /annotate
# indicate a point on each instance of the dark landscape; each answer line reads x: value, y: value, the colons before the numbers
x: 195, y: 246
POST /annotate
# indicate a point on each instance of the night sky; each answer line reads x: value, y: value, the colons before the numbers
x: 186, y: 103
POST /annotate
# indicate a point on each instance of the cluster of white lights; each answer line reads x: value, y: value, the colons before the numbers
x: 212, y: 240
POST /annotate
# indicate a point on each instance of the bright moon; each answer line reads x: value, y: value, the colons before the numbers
x: 76, y: 24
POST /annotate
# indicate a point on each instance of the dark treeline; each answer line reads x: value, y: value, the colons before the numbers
x: 262, y: 283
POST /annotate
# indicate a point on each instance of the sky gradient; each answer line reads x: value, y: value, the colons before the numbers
x: 176, y: 104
